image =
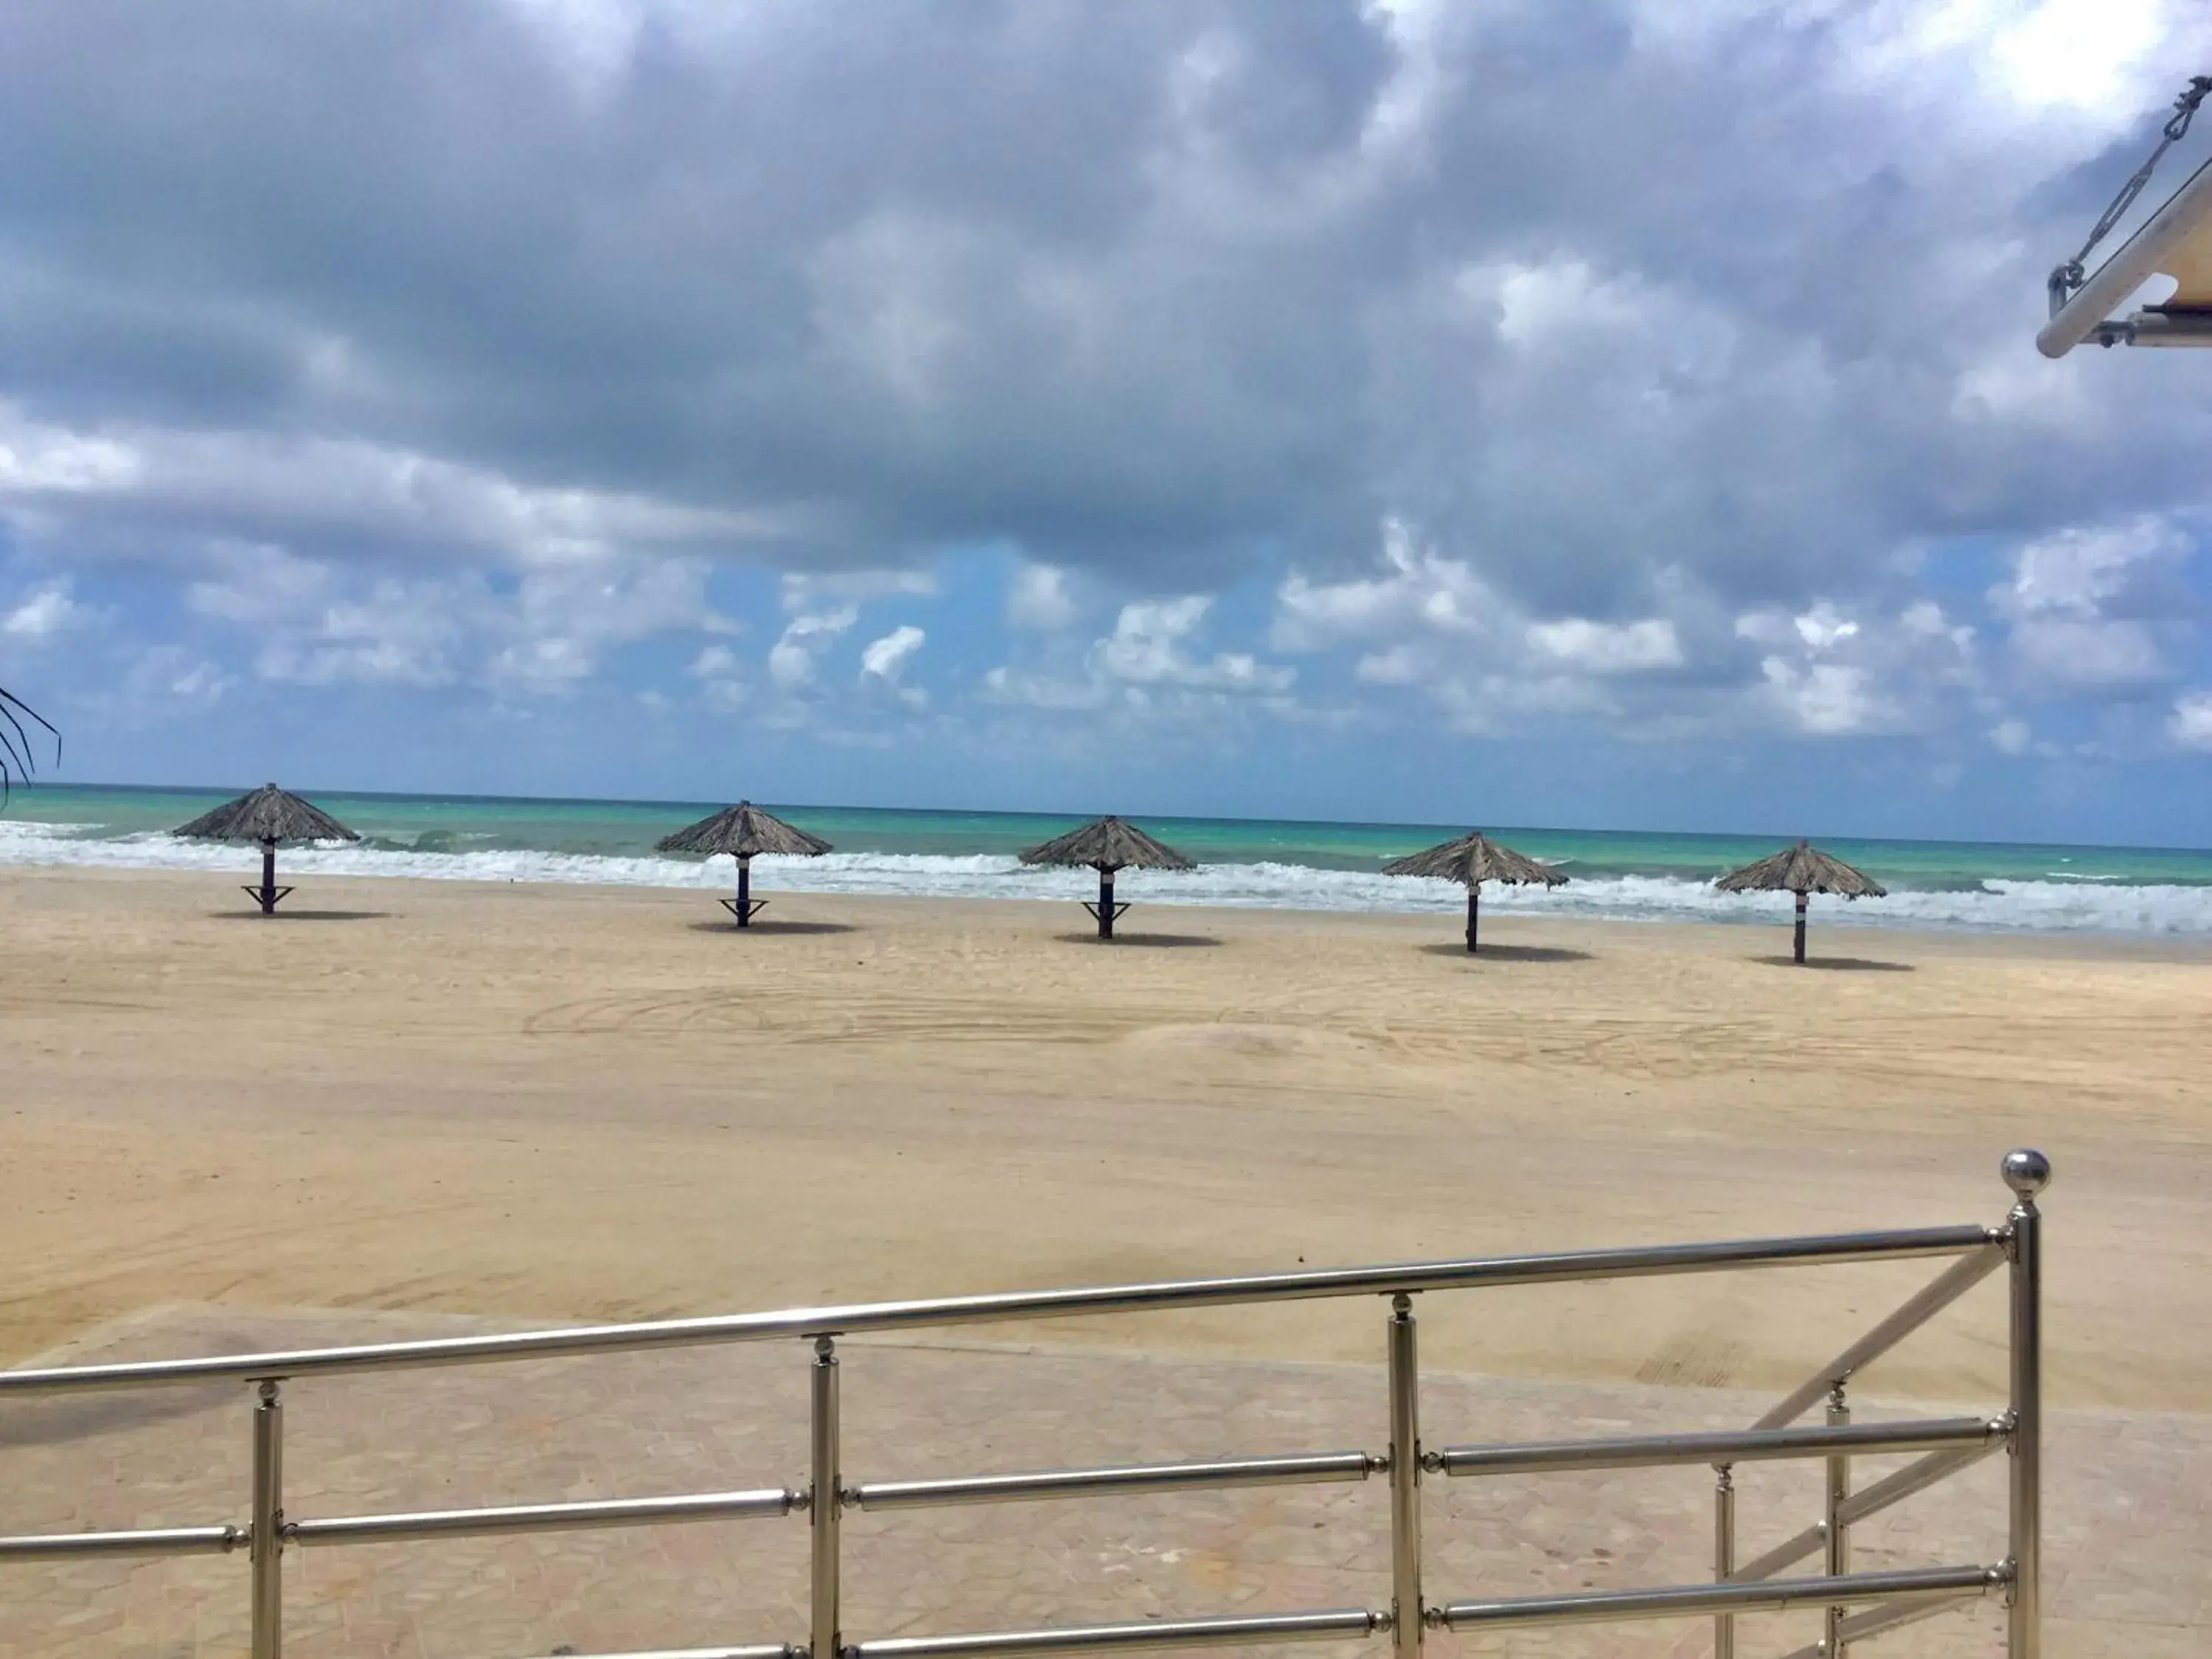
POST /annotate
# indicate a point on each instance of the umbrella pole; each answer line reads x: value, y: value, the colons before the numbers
x: 1474, y: 914
x: 745, y: 892
x: 1800, y: 926
x: 268, y: 894
x: 1105, y: 904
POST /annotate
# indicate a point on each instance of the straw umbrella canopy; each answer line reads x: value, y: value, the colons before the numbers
x: 744, y: 832
x: 1107, y: 845
x: 269, y: 816
x: 1802, y: 869
x: 1471, y: 860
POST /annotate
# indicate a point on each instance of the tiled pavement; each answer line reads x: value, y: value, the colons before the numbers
x: 2129, y: 1503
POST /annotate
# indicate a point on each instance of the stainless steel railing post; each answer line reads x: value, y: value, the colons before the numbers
x: 2027, y: 1172
x: 1837, y: 1528
x: 1406, y: 1610
x: 1724, y: 1555
x: 265, y: 1543
x: 826, y: 1501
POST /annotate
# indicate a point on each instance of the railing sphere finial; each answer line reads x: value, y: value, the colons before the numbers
x: 2026, y: 1171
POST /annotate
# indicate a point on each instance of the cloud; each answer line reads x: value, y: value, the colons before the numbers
x: 2087, y: 654
x: 2190, y: 724
x: 319, y: 623
x: 1825, y: 699
x: 790, y: 659
x: 1609, y: 648
x: 883, y: 661
x: 2087, y: 604
x: 1149, y: 646
x: 129, y: 489
x: 886, y: 658
x: 2011, y: 737
x: 46, y: 611
x: 1037, y: 597
x: 1670, y: 436
x: 1152, y: 664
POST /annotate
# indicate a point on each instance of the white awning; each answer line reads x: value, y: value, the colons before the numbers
x: 2175, y: 241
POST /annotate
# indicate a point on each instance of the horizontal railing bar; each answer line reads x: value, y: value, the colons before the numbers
x: 1889, y: 1616
x: 149, y: 1540
x: 1939, y: 1293
x: 1405, y: 1279
x: 544, y: 1517
x: 1871, y: 1499
x: 1344, y: 1624
x: 751, y: 1650
x: 1681, y: 1600
x: 1727, y: 1446
x: 1316, y: 1468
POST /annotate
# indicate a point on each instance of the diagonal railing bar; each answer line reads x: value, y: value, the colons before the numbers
x: 1947, y: 1287
x: 1881, y: 1620
x: 1894, y: 1488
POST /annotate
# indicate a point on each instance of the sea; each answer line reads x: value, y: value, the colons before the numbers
x: 1624, y: 875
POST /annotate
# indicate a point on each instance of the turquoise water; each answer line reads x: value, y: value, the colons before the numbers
x: 1244, y: 861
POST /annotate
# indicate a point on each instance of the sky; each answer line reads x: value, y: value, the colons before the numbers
x: 1599, y: 413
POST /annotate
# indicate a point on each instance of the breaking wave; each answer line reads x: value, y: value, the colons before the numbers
x: 2061, y: 905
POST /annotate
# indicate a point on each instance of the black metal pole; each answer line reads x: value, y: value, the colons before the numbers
x: 268, y: 878
x: 1105, y: 902
x: 1800, y: 926
x: 1474, y: 914
x: 745, y: 892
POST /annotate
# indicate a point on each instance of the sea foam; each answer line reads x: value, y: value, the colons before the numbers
x: 2047, y: 906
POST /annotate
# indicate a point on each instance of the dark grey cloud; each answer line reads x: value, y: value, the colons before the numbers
x: 1629, y: 305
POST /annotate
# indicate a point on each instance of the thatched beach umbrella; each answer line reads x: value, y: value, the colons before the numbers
x: 1801, y: 869
x: 1106, y: 846
x: 744, y: 832
x: 268, y: 815
x: 1471, y: 860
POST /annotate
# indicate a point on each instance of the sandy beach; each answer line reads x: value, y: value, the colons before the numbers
x: 536, y: 1102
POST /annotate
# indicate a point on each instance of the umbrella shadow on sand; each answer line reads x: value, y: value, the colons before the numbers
x: 1510, y: 952
x: 298, y: 916
x: 780, y: 927
x: 1840, y: 964
x: 1142, y: 941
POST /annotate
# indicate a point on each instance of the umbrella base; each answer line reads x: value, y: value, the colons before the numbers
x: 267, y: 898
x: 744, y: 910
x: 1106, y: 913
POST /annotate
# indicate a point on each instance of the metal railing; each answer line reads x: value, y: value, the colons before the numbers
x: 1855, y: 1605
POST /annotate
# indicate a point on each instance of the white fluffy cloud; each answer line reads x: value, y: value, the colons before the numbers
x: 1150, y: 646
x: 886, y: 658
x: 2087, y: 604
x: 790, y: 659
x: 1597, y: 648
x: 45, y: 611
x: 2190, y: 724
